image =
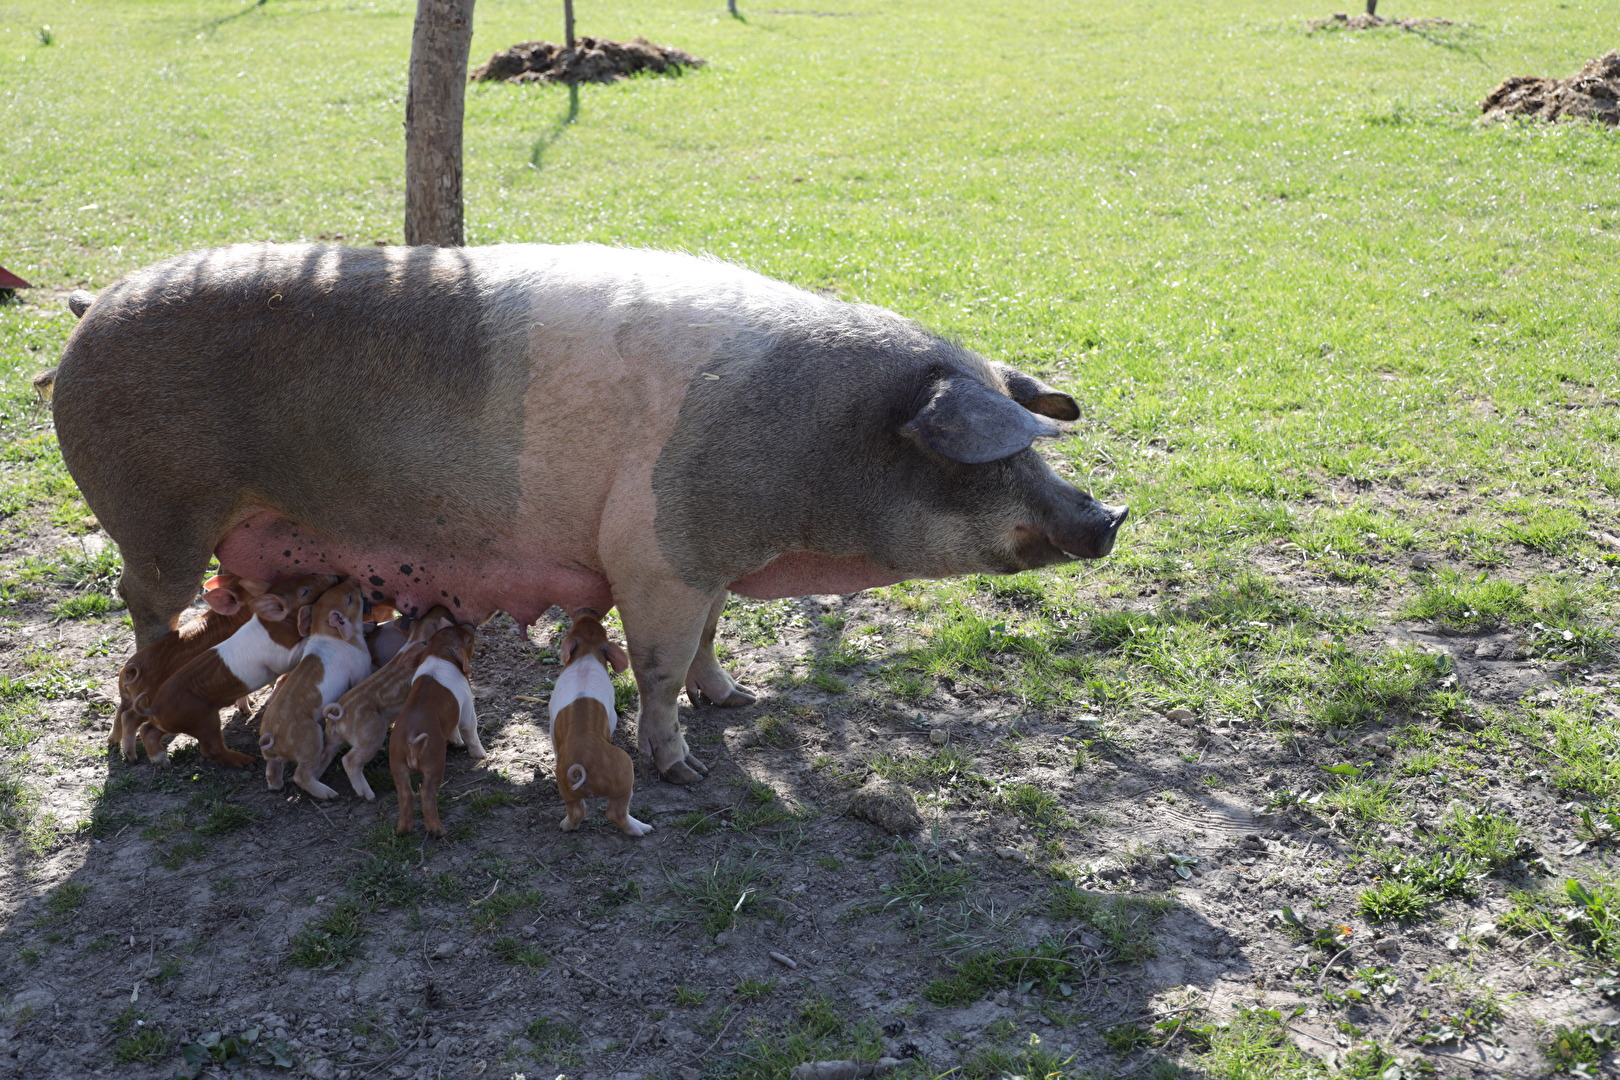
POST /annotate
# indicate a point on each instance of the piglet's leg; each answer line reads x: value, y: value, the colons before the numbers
x: 575, y: 814
x: 618, y: 812
x: 354, y: 763
x: 157, y: 747
x: 402, y: 785
x: 307, y: 778
x: 663, y: 623
x: 467, y: 726
x: 275, y: 772
x: 431, y: 778
x: 706, y: 677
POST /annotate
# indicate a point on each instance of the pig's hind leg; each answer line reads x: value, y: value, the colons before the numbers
x: 663, y: 625
x: 705, y: 676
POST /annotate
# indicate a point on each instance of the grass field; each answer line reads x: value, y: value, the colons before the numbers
x: 1349, y: 353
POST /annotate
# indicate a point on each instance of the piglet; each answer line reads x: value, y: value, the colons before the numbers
x: 335, y: 659
x: 265, y: 646
x: 227, y: 597
x: 438, y: 709
x: 360, y: 718
x: 583, y: 717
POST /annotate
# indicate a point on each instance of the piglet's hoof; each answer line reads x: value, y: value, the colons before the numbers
x: 687, y: 770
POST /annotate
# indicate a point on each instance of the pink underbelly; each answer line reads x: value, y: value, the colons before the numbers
x: 802, y: 573
x: 473, y: 588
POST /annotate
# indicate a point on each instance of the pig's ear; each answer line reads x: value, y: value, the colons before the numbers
x: 569, y: 647
x: 1036, y: 396
x: 341, y: 621
x: 223, y: 599
x: 269, y: 607
x: 615, y: 656
x: 306, y: 616
x: 968, y: 422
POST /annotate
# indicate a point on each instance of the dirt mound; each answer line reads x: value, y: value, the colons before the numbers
x: 1341, y: 21
x: 599, y: 60
x: 1592, y: 93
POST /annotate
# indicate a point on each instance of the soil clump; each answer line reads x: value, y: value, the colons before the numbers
x: 598, y: 60
x: 1592, y: 93
x: 1341, y: 21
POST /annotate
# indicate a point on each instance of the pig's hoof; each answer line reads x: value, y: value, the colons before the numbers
x: 736, y: 699
x: 687, y: 770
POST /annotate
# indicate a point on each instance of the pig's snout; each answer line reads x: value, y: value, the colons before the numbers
x: 1101, y: 541
x: 1087, y: 532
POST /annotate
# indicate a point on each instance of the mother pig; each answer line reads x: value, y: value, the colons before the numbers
x: 521, y: 426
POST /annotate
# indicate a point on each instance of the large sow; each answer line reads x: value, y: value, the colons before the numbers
x: 520, y: 426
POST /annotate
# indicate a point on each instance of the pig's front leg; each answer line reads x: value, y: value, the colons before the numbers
x: 663, y: 624
x: 706, y: 676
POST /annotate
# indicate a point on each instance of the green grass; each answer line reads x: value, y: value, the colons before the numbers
x: 817, y: 1029
x: 1050, y: 965
x: 332, y: 939
x: 717, y: 897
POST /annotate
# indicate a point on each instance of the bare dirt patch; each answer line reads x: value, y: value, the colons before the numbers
x: 1592, y: 93
x: 595, y: 60
x: 1342, y: 21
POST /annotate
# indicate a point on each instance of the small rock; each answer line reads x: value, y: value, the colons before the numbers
x: 1012, y: 853
x: 1002, y: 998
x: 322, y: 1069
x: 939, y: 736
x: 443, y: 950
x: 1180, y: 715
x: 784, y: 960
x: 747, y: 739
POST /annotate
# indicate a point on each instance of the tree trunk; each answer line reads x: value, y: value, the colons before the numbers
x: 731, y: 8
x: 433, y: 114
x: 568, y: 23
x: 1372, y: 7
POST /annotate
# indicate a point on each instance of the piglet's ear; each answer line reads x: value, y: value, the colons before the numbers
x: 252, y: 586
x: 570, y: 646
x: 341, y: 621
x: 306, y: 617
x: 223, y: 600
x: 1036, y: 396
x: 615, y: 656
x: 967, y: 421
x: 269, y: 607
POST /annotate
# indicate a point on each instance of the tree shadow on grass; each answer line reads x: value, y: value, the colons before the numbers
x: 538, y: 153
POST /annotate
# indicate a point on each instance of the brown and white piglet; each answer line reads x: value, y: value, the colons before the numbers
x: 360, y: 718
x: 438, y: 710
x: 583, y: 717
x: 227, y: 597
x: 335, y: 659
x: 265, y: 646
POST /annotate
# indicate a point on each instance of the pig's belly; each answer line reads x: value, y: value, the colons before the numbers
x: 802, y: 573
x: 266, y: 545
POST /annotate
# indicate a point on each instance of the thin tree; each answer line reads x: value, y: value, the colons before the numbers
x: 568, y: 23
x: 433, y: 118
